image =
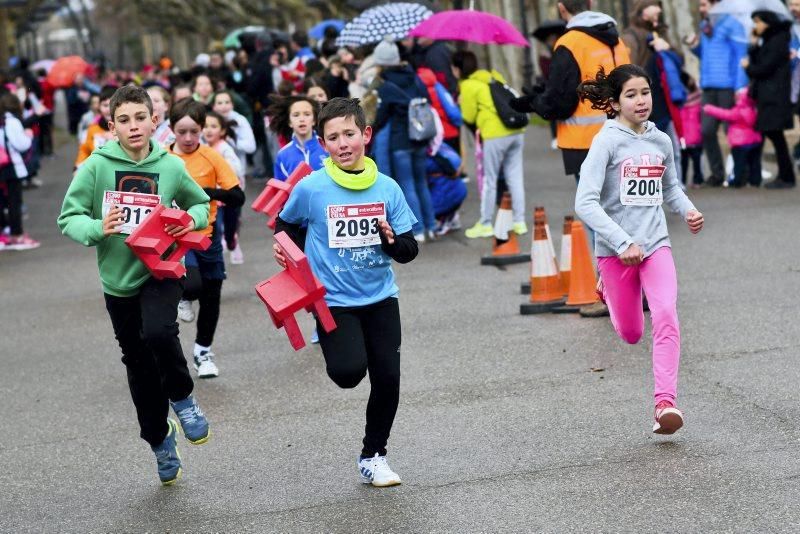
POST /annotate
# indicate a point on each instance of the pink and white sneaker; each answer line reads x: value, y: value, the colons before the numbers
x: 668, y: 418
x: 4, y: 242
x: 21, y: 242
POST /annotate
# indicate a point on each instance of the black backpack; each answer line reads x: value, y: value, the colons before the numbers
x: 502, y: 95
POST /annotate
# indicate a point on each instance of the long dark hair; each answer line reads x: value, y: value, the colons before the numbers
x: 9, y: 103
x: 225, y: 124
x: 279, y: 113
x: 606, y: 88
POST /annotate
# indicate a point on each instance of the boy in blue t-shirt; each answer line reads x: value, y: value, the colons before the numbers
x: 357, y: 222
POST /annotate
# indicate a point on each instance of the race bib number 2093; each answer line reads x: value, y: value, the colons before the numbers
x: 355, y: 225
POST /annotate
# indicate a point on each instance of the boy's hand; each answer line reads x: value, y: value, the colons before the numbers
x: 176, y: 230
x: 695, y: 221
x: 277, y: 253
x: 113, y: 221
x: 387, y: 231
x: 632, y: 256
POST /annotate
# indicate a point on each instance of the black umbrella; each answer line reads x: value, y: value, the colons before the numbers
x: 548, y: 28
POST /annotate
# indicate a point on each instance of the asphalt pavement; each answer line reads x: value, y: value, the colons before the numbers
x: 507, y: 423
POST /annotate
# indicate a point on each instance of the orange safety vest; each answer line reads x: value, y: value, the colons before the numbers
x: 578, y: 131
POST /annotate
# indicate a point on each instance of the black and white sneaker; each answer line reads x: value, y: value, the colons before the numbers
x: 204, y: 365
x: 376, y: 471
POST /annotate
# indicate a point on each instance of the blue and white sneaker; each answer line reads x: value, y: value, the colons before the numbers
x: 167, y: 457
x: 193, y: 420
x: 314, y: 337
x: 376, y: 471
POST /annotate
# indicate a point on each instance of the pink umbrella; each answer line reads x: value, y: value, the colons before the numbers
x: 468, y: 25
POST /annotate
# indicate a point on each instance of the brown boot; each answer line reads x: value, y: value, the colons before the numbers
x: 598, y: 309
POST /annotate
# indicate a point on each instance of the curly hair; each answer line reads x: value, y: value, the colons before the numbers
x: 278, y: 113
x: 605, y: 89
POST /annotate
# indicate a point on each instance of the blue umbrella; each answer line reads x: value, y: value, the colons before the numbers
x: 318, y: 31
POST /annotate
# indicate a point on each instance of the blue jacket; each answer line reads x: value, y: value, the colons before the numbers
x: 293, y: 154
x: 721, y: 54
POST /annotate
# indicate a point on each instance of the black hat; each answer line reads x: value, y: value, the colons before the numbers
x: 548, y: 28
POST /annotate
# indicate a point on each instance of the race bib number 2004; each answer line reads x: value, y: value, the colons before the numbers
x: 641, y: 185
x: 355, y: 225
x: 135, y: 207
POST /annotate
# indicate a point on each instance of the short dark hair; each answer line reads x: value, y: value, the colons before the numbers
x: 107, y: 92
x: 188, y: 107
x: 466, y: 61
x: 575, y: 6
x: 128, y: 94
x: 341, y: 107
x: 300, y: 38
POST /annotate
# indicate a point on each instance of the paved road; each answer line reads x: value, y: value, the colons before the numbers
x: 503, y: 425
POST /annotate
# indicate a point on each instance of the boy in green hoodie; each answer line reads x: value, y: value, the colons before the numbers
x: 143, y: 310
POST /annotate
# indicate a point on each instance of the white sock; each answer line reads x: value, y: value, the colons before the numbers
x: 199, y: 349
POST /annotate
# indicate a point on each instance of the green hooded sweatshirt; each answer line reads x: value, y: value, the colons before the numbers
x: 110, y: 169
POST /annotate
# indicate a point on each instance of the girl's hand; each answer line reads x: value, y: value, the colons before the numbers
x: 632, y: 256
x: 387, y: 231
x: 695, y: 221
x: 113, y: 220
x: 745, y: 62
x: 176, y: 230
x: 277, y: 253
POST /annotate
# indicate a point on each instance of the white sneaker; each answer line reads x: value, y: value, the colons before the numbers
x: 185, y: 311
x: 204, y: 365
x: 376, y: 471
x: 420, y: 238
x: 237, y: 256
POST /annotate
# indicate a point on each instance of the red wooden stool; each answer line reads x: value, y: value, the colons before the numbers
x: 292, y: 290
x: 272, y: 199
x: 150, y: 242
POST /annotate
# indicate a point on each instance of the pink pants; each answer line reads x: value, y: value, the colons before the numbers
x: 622, y: 287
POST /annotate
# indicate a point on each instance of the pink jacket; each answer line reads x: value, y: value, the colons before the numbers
x: 742, y: 119
x: 692, y: 130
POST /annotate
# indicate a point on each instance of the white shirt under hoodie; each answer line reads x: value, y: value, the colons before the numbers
x: 598, y: 203
x: 15, y: 142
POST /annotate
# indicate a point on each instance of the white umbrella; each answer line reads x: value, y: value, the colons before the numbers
x: 742, y: 10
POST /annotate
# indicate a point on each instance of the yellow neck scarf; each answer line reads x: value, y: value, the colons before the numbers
x: 357, y: 182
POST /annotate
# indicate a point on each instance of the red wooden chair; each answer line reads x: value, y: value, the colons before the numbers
x: 150, y: 243
x: 294, y: 289
x: 274, y: 196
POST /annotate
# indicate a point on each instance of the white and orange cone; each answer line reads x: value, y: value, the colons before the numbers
x: 506, y: 246
x: 545, y: 282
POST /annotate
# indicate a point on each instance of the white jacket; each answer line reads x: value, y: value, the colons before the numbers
x: 14, y: 140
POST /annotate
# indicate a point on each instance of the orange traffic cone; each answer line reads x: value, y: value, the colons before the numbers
x: 582, y: 281
x: 545, y: 283
x: 506, y: 246
x: 566, y: 254
x: 539, y: 216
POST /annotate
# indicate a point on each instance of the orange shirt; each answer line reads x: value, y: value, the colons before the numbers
x: 210, y: 170
x: 96, y: 136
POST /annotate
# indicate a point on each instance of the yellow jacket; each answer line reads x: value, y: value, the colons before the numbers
x: 477, y: 106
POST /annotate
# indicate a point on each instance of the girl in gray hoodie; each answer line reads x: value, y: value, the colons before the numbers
x: 627, y: 175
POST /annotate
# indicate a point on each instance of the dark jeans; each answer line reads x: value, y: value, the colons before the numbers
x: 747, y: 165
x: 722, y: 98
x: 410, y: 172
x: 367, y: 339
x: 695, y: 153
x: 785, y: 167
x: 145, y: 327
x: 46, y: 134
x: 11, y: 199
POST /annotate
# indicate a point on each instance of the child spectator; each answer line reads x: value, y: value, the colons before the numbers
x: 746, y: 142
x: 692, y: 132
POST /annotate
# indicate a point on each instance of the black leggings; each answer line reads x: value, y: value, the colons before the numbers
x: 145, y: 327
x: 230, y: 224
x: 785, y: 167
x: 208, y: 293
x: 11, y: 198
x: 367, y: 339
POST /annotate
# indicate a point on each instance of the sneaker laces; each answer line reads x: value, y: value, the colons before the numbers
x: 190, y: 414
x: 205, y: 356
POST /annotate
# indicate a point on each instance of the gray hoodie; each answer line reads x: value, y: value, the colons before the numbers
x: 615, y: 150
x: 589, y: 19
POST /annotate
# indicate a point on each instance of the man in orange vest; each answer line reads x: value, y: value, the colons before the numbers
x: 591, y: 41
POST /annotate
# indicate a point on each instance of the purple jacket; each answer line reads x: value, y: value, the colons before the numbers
x: 742, y: 119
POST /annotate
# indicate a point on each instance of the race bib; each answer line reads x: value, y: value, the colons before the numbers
x: 641, y: 185
x: 135, y: 207
x: 355, y: 225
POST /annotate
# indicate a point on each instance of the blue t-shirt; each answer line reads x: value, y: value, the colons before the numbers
x: 356, y: 276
